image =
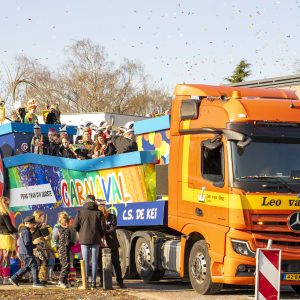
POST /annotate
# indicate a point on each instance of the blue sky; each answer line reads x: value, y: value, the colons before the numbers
x: 190, y: 41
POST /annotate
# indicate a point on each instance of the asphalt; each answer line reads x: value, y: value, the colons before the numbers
x: 167, y: 289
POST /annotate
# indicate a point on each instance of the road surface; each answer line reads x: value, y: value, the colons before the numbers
x: 167, y: 289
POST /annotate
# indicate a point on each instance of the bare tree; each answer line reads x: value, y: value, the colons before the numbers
x: 87, y: 82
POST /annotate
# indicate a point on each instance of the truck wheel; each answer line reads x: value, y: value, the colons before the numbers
x: 143, y: 261
x: 124, y: 241
x: 199, y: 270
x: 296, y: 288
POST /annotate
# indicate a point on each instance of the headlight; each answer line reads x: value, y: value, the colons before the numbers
x: 242, y: 247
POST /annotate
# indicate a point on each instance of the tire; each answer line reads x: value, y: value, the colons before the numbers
x: 296, y: 288
x: 143, y: 261
x: 124, y: 241
x: 199, y: 270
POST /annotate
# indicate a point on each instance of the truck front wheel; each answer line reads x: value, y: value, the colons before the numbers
x: 143, y: 261
x: 199, y: 270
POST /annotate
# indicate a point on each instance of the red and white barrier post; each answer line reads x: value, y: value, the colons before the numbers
x: 268, y: 269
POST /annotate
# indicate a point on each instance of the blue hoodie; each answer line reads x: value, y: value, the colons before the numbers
x: 25, y: 242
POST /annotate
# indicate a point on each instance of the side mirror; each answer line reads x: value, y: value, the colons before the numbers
x: 212, y: 144
x: 189, y: 109
x: 243, y: 144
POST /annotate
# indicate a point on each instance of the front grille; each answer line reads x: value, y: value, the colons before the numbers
x: 283, y: 241
x: 263, y: 243
x: 291, y: 266
x: 270, y: 223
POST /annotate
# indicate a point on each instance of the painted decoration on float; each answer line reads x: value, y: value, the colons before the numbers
x: 159, y: 140
x: 38, y: 187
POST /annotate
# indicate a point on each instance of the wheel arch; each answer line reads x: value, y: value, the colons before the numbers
x: 191, y: 239
x: 147, y: 235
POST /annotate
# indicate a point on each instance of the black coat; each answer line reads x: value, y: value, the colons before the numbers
x: 66, y: 152
x: 123, y: 144
x: 110, y: 232
x: 6, y: 227
x: 89, y: 223
x: 53, y: 149
x: 52, y: 118
x: 110, y: 150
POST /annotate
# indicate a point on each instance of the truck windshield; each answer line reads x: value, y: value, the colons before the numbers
x: 267, y: 161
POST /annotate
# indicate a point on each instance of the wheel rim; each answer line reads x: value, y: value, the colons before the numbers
x: 199, y: 266
x: 143, y: 255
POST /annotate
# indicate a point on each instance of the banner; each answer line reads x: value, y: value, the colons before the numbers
x: 33, y: 195
x: 69, y: 188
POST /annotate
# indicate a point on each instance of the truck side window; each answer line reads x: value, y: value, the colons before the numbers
x: 212, y: 162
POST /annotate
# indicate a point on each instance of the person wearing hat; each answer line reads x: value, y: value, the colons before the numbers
x: 126, y: 142
x: 30, y: 116
x: 26, y: 247
x: 84, y: 144
x: 112, y: 243
x: 51, y: 117
x: 38, y: 143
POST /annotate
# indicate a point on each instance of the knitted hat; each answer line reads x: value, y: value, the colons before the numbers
x: 52, y: 130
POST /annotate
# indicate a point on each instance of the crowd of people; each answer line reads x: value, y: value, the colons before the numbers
x: 105, y: 142
x: 35, y: 244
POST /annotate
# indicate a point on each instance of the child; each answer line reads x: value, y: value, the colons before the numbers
x: 63, y: 239
x: 26, y: 254
x: 54, y: 243
x: 41, y: 236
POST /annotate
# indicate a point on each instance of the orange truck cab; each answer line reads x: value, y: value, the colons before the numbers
x: 234, y: 182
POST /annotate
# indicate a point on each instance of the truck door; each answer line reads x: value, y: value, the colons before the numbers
x: 204, y: 179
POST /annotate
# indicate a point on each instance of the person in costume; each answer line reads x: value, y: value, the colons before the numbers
x: 74, y: 247
x: 41, y: 237
x: 53, y: 116
x: 7, y: 240
x: 84, y: 144
x: 102, y: 147
x: 30, y: 116
x: 63, y: 239
x: 66, y: 150
x: 125, y: 143
x: 38, y: 143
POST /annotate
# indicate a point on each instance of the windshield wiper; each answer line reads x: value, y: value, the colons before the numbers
x: 266, y: 177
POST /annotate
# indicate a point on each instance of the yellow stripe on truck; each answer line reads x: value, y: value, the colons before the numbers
x: 233, y: 201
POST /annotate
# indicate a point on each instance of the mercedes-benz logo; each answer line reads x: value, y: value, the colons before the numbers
x: 294, y: 221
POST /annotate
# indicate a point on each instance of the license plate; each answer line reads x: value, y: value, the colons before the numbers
x: 291, y: 277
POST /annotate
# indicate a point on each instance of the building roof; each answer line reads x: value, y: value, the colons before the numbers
x: 283, y: 81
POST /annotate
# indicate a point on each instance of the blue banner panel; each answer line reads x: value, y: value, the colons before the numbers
x: 129, y: 215
x: 141, y: 213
